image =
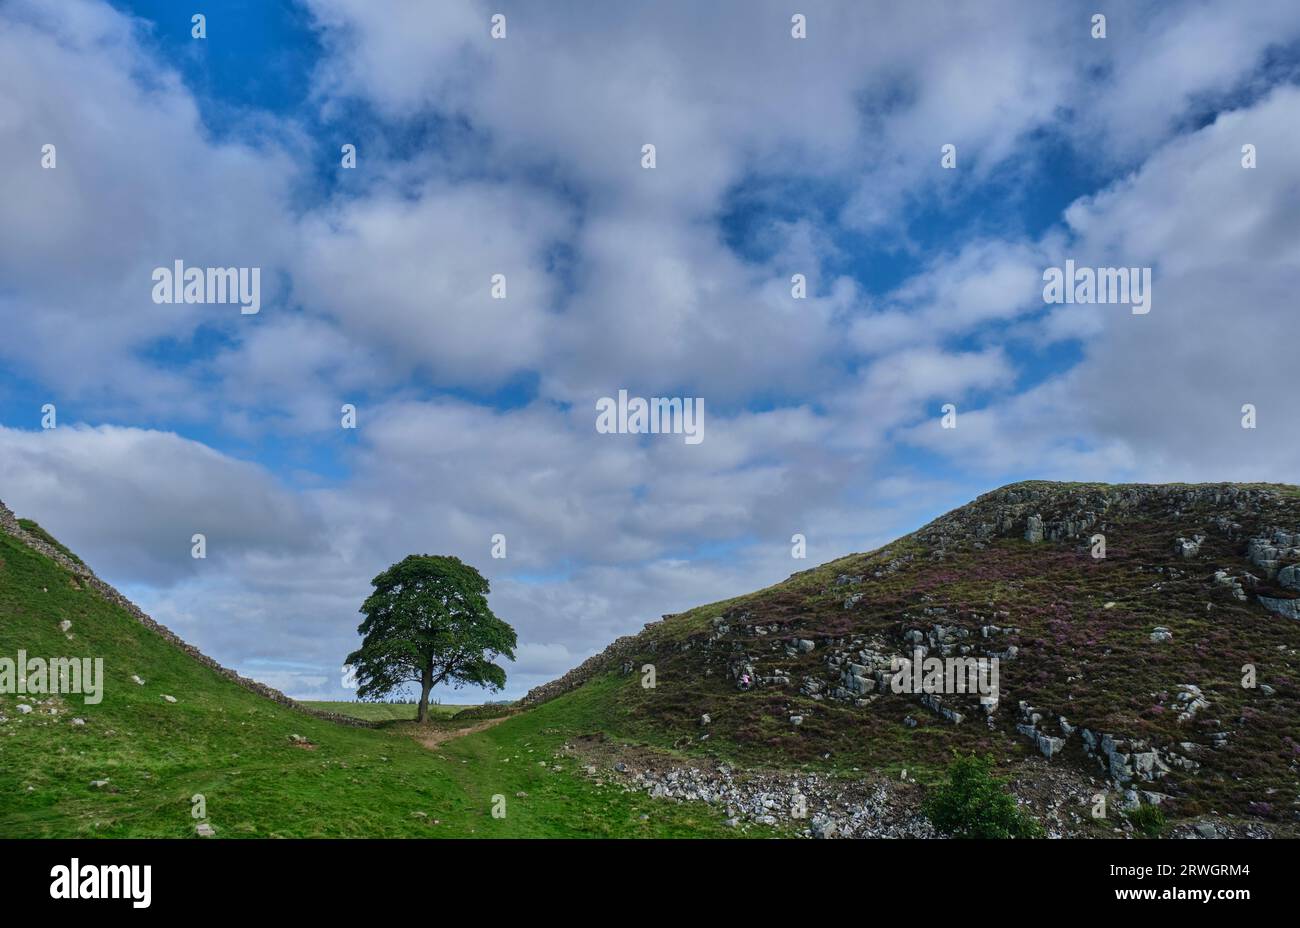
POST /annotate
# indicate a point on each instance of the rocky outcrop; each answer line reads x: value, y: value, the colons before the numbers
x: 1040, y: 511
x: 1269, y: 551
x: 1287, y: 608
x: 10, y: 525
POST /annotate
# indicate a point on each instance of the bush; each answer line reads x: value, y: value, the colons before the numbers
x: 974, y: 803
x: 1148, y: 820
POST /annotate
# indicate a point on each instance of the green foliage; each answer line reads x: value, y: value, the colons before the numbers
x: 974, y: 803
x: 428, y: 622
x: 1147, y: 820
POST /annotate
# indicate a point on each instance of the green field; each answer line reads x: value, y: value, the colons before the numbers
x: 384, y: 711
x: 235, y: 749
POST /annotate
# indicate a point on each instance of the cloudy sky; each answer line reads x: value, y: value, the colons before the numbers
x: 522, y: 156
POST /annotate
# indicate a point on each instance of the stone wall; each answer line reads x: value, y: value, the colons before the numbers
x: 606, y: 660
x: 9, y: 524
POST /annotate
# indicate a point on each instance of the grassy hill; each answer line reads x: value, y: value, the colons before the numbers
x: 1120, y: 676
x: 1078, y: 657
x: 236, y: 749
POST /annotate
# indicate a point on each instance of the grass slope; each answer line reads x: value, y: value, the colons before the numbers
x: 233, y: 747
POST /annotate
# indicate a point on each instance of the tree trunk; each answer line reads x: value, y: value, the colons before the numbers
x: 426, y: 684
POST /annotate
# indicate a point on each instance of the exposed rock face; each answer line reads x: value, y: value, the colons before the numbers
x: 1034, y: 530
x: 1048, y: 745
x: 1062, y: 512
x: 9, y: 525
x: 1270, y: 550
x: 1287, y: 608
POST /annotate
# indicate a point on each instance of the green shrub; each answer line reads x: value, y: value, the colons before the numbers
x: 974, y: 803
x: 1147, y: 820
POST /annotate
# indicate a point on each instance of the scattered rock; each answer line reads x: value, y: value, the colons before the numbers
x: 823, y: 827
x: 1191, y: 700
x: 1287, y: 608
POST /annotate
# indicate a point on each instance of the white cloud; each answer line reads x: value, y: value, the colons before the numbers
x: 1158, y: 396
x: 139, y: 184
x: 132, y: 499
x: 412, y: 277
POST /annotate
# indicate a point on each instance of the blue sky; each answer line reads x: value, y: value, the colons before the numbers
x: 521, y: 156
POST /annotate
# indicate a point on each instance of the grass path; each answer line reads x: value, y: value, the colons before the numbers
x: 440, y: 736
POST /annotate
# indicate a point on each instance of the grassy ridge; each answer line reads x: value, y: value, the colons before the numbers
x: 235, y: 749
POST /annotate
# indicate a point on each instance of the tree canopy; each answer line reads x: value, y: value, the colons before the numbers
x: 428, y: 622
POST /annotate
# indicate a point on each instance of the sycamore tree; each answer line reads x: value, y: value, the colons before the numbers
x: 428, y: 622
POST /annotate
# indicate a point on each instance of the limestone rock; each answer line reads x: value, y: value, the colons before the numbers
x: 1287, y: 608
x: 1034, y: 530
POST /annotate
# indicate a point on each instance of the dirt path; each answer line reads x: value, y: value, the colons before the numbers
x: 434, y: 738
